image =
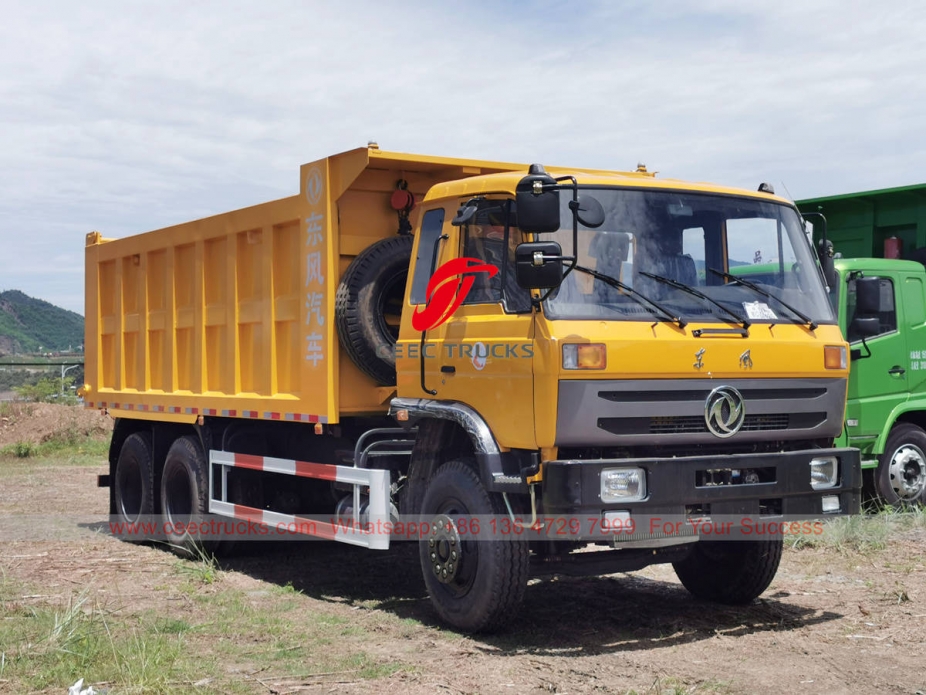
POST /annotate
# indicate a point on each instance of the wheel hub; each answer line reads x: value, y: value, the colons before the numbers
x: 444, y: 549
x: 908, y: 472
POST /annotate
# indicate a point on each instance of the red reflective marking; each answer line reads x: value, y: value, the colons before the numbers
x: 249, y: 513
x: 320, y: 471
x: 255, y: 463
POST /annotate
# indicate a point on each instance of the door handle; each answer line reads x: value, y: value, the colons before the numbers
x: 896, y: 370
x: 448, y: 369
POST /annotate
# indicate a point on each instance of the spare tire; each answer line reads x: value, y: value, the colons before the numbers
x: 368, y: 306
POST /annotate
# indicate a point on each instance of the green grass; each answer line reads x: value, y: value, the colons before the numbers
x: 201, y: 566
x: 197, y: 632
x: 47, y: 646
x: 70, y: 447
x: 177, y: 649
x: 676, y: 686
x: 862, y: 533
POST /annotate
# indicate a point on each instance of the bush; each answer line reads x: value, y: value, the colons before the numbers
x: 23, y: 450
x: 48, y: 390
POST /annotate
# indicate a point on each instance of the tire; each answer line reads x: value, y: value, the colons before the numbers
x: 134, y: 482
x: 485, y: 581
x: 900, y: 479
x: 730, y: 572
x: 185, y: 498
x: 369, y: 303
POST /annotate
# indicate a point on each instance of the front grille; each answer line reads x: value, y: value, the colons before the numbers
x: 683, y: 424
x: 669, y: 412
x: 699, y: 395
x: 763, y: 423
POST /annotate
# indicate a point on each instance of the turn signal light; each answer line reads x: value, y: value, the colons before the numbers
x: 834, y: 356
x: 585, y: 356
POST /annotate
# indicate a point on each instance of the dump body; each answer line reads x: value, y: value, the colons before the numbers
x: 234, y: 314
x: 869, y: 223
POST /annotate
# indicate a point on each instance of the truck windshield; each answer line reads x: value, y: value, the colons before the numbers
x: 649, y: 237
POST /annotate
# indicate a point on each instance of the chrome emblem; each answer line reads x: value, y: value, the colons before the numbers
x: 698, y: 361
x: 724, y: 411
x: 746, y: 360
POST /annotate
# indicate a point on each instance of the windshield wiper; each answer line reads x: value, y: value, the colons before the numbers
x: 640, y: 298
x: 811, y: 324
x: 700, y: 295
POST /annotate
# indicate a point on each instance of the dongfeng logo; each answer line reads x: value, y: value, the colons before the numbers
x: 724, y: 411
x: 447, y: 290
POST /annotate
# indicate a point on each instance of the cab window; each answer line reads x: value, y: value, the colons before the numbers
x: 492, y: 236
x: 887, y: 319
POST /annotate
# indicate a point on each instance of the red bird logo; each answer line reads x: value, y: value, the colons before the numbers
x: 447, y: 290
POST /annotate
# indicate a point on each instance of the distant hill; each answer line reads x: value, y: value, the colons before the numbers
x: 28, y: 324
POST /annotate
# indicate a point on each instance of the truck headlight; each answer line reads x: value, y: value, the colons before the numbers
x: 623, y: 484
x: 824, y: 472
x: 584, y: 356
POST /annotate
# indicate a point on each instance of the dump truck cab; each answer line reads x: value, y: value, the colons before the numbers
x: 593, y: 346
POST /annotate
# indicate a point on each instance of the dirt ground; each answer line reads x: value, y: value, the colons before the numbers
x: 833, y: 621
x: 35, y: 423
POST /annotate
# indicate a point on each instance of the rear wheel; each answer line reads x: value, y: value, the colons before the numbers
x: 134, y: 482
x: 185, y: 499
x: 474, y: 584
x: 731, y: 572
x: 900, y: 479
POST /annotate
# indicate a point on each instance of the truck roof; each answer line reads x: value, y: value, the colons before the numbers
x: 507, y: 181
x: 878, y: 265
x: 863, y: 195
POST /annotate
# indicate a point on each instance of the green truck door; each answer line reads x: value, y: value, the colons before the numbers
x: 914, y: 316
x: 882, y: 377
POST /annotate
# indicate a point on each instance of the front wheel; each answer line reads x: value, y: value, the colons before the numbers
x: 900, y: 479
x: 475, y: 584
x: 730, y: 572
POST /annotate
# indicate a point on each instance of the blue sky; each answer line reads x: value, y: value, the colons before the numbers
x: 127, y: 116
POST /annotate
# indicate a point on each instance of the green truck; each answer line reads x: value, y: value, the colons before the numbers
x: 881, y: 305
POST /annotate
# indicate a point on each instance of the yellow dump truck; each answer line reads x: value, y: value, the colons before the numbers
x: 522, y: 370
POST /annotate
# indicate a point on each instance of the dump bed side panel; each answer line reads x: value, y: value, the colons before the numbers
x: 233, y: 315
x: 206, y: 317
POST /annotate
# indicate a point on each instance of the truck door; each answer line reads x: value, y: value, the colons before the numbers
x: 914, y: 322
x: 484, y: 351
x: 881, y: 380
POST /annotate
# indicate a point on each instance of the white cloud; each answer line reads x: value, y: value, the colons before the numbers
x: 127, y: 116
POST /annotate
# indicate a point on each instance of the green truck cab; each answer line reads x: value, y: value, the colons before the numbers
x: 881, y: 305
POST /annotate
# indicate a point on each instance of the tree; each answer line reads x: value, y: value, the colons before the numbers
x: 48, y: 390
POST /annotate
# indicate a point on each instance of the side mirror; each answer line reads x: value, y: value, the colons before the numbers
x: 539, y: 264
x: 537, y: 198
x: 826, y: 262
x: 873, y: 296
x: 588, y: 211
x: 865, y: 328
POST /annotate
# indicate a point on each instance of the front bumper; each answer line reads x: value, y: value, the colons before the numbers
x: 676, y: 489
